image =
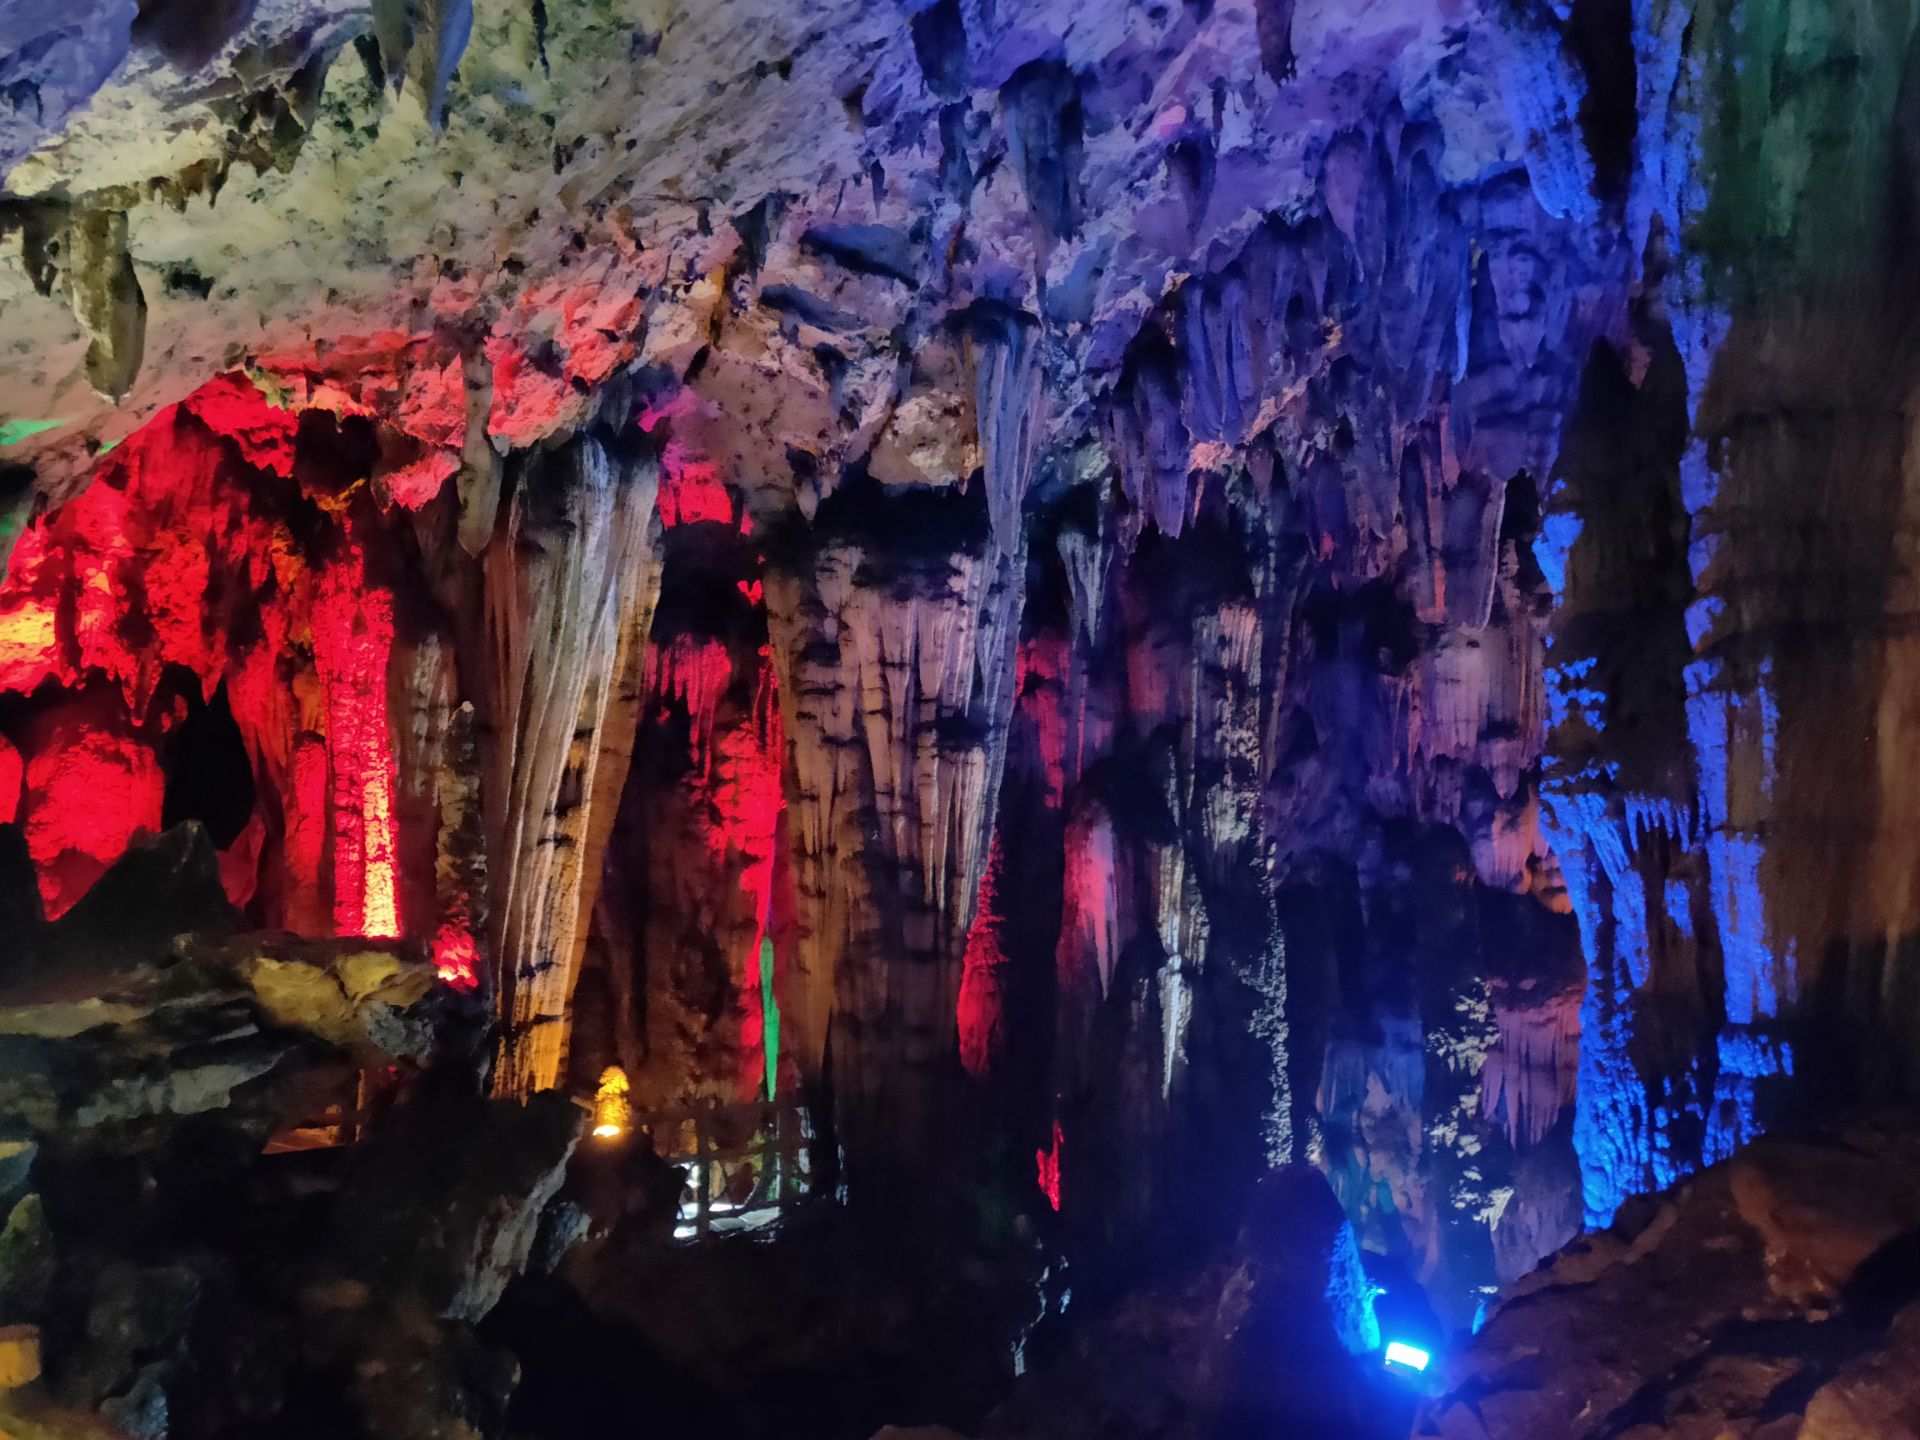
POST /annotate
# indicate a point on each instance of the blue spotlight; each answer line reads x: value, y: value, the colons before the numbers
x: 1402, y: 1356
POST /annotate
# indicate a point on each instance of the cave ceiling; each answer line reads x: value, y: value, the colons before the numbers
x: 320, y: 190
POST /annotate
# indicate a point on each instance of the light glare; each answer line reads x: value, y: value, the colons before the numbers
x: 1411, y: 1356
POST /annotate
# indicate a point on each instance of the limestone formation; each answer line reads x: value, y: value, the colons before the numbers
x: 1062, y: 606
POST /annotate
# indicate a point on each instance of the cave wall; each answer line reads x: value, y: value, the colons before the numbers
x: 1114, y: 599
x: 1726, y: 671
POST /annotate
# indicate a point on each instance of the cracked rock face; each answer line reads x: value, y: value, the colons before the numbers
x: 1117, y: 596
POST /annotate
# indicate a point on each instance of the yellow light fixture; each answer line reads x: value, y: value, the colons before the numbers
x: 612, y: 1111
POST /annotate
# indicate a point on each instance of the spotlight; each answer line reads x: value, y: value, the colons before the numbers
x: 612, y: 1111
x: 1402, y: 1356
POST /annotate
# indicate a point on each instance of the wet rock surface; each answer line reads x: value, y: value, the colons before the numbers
x: 422, y: 1211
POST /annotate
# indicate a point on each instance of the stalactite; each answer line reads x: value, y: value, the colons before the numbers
x: 1231, y: 614
x: 1531, y: 1074
x: 1011, y: 406
x: 570, y: 587
x: 897, y: 686
x: 184, y: 553
x: 1270, y: 1026
x: 423, y: 694
x: 981, y: 1009
x: 104, y: 290
x: 712, y: 868
x: 304, y: 906
x: 460, y: 857
x: 1090, y: 937
x: 1047, y: 1164
x: 1087, y: 553
x: 92, y: 786
x: 12, y: 775
x: 752, y: 769
x: 694, y: 673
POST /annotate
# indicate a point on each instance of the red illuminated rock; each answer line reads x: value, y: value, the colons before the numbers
x: 12, y: 774
x: 91, y: 789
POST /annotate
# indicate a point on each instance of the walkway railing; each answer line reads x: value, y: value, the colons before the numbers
x: 746, y: 1165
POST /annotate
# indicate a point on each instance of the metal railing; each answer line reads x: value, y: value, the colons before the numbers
x: 746, y: 1165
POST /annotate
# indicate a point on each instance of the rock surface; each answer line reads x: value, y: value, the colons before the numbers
x: 178, y: 1258
x: 1275, y: 1338
x: 423, y: 1212
x: 1775, y: 1295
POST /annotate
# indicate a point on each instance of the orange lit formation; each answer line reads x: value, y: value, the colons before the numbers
x: 612, y: 1107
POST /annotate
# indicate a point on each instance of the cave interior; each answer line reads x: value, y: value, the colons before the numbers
x: 959, y: 719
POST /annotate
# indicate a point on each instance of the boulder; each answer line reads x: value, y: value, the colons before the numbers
x: 143, y: 1411
x: 136, y: 1045
x: 1822, y: 1209
x: 563, y: 1225
x: 16, y: 1166
x: 1876, y: 1395
x: 445, y: 1201
x: 135, y: 1344
x: 416, y: 1379
x: 19, y: 1356
x: 27, y: 1262
x: 1774, y: 1296
x: 193, y: 1031
x: 377, y: 1001
x: 1264, y: 1341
